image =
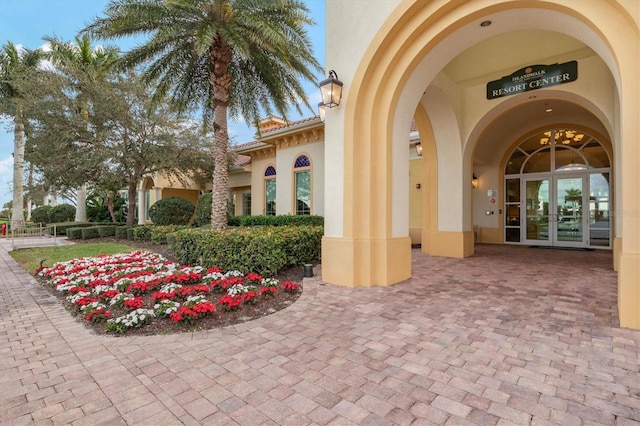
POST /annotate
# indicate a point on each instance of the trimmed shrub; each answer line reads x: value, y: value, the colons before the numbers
x: 264, y: 250
x: 142, y: 233
x: 121, y: 232
x: 171, y: 211
x: 74, y: 233
x: 158, y: 234
x: 90, y: 232
x: 107, y: 230
x: 130, y: 235
x: 203, y: 210
x: 40, y: 214
x: 282, y: 220
x: 62, y: 213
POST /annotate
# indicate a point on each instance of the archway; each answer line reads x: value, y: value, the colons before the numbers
x: 366, y: 241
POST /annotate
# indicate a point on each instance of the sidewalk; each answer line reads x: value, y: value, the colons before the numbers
x: 512, y: 335
x: 8, y: 244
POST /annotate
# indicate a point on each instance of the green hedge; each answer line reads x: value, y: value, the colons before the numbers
x: 61, y: 227
x: 90, y: 232
x: 74, y: 233
x: 107, y: 230
x: 130, y: 234
x: 121, y: 232
x: 159, y: 234
x: 142, y: 233
x: 282, y: 220
x: 264, y: 250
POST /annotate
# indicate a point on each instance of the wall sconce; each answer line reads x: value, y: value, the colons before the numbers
x: 331, y: 90
x: 474, y: 181
x: 419, y: 149
x: 322, y: 110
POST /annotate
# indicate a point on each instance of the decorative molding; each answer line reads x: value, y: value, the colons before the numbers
x: 302, y: 137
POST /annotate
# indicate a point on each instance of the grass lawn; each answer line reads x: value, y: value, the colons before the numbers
x: 30, y: 258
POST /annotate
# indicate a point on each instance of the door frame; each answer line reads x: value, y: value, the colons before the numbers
x: 552, y: 214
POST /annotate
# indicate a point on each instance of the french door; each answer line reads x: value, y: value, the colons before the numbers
x: 553, y: 210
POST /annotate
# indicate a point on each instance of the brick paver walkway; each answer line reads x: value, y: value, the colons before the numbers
x: 513, y: 335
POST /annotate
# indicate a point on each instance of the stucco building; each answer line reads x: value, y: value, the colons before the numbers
x: 526, y: 112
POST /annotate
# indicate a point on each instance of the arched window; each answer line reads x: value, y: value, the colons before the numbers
x: 270, y: 191
x: 302, y: 174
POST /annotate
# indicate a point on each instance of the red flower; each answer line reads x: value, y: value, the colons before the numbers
x: 98, y: 315
x: 253, y: 277
x: 135, y: 303
x: 269, y: 291
x: 230, y: 301
x: 159, y: 295
x: 290, y: 286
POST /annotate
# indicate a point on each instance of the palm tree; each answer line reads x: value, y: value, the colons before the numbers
x: 95, y: 62
x: 15, y: 63
x: 223, y: 57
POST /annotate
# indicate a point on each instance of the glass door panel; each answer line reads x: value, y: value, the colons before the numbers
x: 569, y: 197
x: 536, y: 211
x: 599, y: 217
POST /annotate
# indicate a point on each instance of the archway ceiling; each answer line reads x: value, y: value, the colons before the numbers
x: 502, y: 55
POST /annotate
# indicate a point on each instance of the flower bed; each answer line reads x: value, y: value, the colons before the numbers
x: 143, y: 293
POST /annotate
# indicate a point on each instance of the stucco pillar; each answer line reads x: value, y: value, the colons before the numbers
x: 157, y: 194
x: 629, y: 260
x: 142, y: 206
x: 366, y: 240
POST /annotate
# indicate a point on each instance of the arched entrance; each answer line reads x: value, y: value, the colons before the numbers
x: 404, y: 49
x: 557, y: 186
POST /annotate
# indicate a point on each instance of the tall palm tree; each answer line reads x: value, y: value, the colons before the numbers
x: 15, y: 63
x: 95, y: 62
x: 223, y: 57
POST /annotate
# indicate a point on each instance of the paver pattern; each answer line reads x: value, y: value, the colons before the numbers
x: 512, y: 335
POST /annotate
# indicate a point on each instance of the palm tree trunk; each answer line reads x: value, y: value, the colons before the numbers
x: 17, y: 216
x: 220, y: 171
x: 81, y: 204
x: 30, y: 189
x: 220, y: 79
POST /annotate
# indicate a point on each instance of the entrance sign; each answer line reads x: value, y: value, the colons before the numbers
x: 532, y: 78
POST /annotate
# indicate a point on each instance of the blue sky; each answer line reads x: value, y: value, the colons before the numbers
x: 25, y: 22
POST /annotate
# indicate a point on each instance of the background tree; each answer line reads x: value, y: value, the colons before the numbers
x: 96, y: 62
x: 573, y: 196
x: 14, y: 64
x: 122, y: 138
x: 224, y: 57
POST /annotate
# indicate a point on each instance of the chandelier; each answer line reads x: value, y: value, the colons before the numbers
x: 565, y: 137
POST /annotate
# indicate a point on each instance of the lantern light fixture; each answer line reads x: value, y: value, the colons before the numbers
x: 331, y: 90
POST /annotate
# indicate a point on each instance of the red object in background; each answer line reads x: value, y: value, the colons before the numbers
x: 4, y: 229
